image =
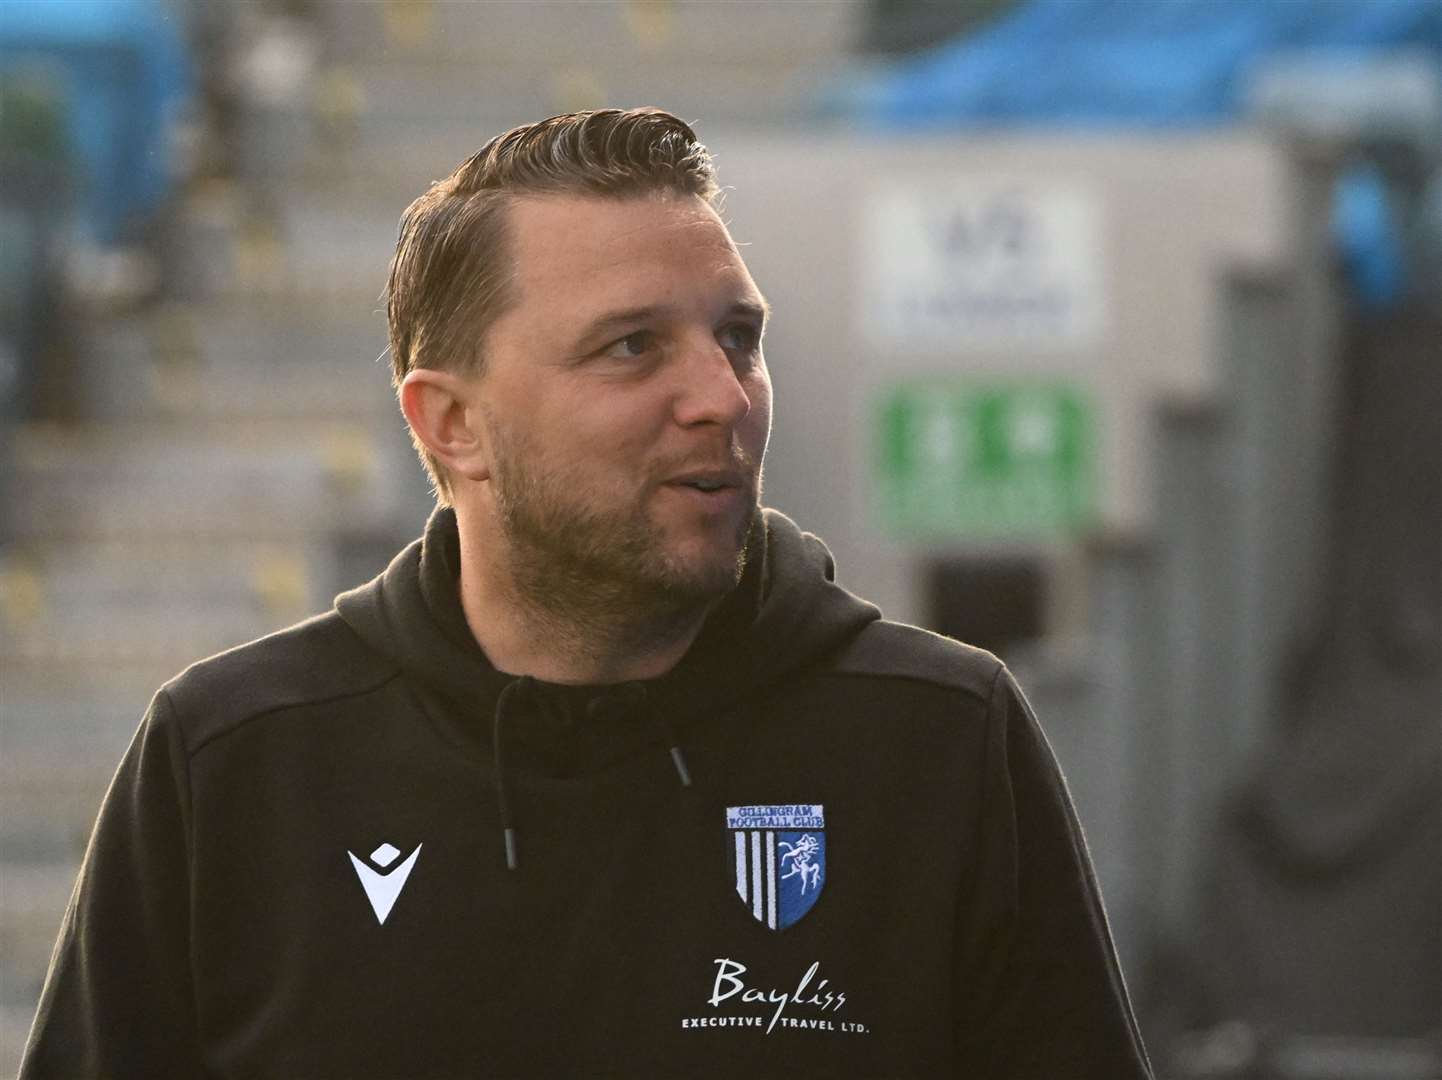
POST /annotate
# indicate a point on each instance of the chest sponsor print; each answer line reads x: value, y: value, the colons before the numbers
x: 779, y: 852
x: 740, y: 1000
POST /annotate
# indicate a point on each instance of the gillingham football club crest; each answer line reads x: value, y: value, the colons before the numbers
x: 780, y: 855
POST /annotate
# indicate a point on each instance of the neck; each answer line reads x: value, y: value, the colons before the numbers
x: 578, y: 630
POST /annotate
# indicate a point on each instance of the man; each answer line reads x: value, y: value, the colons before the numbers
x: 604, y: 775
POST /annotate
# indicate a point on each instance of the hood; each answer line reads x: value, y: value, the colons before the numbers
x: 786, y: 613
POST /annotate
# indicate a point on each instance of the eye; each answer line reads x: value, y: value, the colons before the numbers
x: 631, y: 346
x: 739, y: 337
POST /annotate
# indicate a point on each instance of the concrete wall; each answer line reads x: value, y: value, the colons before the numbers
x: 1174, y: 213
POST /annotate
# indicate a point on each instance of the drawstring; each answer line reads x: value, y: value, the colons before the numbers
x: 626, y: 697
x: 677, y: 758
x: 631, y: 697
x: 521, y: 687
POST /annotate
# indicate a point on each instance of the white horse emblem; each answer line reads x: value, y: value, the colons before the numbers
x: 800, y: 854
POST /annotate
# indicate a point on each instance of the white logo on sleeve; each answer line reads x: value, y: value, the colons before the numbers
x: 383, y: 888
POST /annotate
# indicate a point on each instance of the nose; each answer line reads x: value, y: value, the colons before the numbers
x: 711, y: 389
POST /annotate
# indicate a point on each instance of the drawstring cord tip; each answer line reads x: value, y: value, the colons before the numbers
x: 681, y: 770
x: 510, y: 834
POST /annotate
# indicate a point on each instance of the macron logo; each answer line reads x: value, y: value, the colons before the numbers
x: 383, y: 888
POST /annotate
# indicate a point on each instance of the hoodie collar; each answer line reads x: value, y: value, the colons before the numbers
x: 785, y: 612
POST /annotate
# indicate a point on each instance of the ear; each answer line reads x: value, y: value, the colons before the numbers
x: 442, y: 409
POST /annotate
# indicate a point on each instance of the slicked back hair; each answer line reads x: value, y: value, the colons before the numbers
x: 452, y: 275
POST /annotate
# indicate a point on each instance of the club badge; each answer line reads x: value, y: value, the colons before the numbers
x: 780, y: 857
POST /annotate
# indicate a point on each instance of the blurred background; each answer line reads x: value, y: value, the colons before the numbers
x: 1108, y: 336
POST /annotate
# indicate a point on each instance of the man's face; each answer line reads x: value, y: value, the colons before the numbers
x: 625, y: 398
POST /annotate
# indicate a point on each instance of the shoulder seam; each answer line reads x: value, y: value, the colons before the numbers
x: 844, y: 663
x: 284, y: 705
x: 995, y: 683
x: 166, y: 703
x: 939, y: 684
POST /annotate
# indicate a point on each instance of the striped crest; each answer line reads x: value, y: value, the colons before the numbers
x: 780, y: 857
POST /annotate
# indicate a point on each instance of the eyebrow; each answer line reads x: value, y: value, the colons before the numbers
x: 613, y: 321
x: 757, y: 310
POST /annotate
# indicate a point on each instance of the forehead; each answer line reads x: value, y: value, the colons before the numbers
x: 588, y: 250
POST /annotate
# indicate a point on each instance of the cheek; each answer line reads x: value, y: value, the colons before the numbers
x: 758, y: 420
x: 600, y: 429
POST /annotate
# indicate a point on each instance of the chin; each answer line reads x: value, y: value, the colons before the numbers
x: 704, y: 578
x: 705, y: 570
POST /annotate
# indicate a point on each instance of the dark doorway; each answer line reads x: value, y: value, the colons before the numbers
x: 993, y: 602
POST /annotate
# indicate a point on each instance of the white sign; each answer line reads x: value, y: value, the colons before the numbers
x: 982, y: 264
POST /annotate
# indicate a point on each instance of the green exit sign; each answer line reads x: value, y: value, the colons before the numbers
x: 964, y: 457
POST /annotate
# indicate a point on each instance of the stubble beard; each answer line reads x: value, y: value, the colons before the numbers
x: 603, y: 560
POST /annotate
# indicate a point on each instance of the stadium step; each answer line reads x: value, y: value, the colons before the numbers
x: 256, y: 479
x: 245, y: 358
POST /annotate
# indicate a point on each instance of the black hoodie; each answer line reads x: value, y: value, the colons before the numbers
x: 822, y: 845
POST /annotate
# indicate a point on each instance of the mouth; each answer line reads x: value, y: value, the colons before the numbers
x: 710, y: 481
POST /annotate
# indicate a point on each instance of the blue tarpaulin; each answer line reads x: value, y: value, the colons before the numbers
x: 1127, y: 62
x: 122, y: 74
